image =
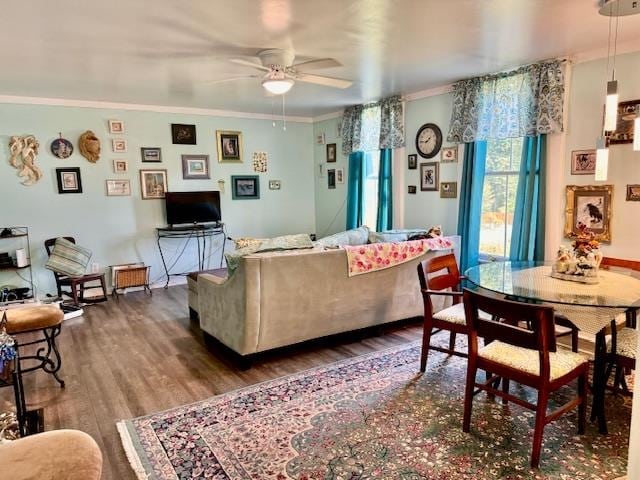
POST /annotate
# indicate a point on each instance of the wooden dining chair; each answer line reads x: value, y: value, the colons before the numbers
x: 529, y: 357
x: 622, y: 345
x: 440, y: 277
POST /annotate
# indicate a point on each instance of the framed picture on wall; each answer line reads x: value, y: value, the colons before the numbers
x: 116, y: 127
x: 331, y: 178
x: 182, y: 134
x: 118, y: 145
x: 195, y: 167
x: 449, y: 154
x: 339, y: 175
x: 120, y: 166
x: 412, y: 161
x: 429, y: 177
x: 69, y: 180
x: 412, y: 189
x: 583, y: 162
x: 624, y: 125
x: 153, y: 184
x: 245, y: 187
x: 151, y: 154
x: 331, y: 152
x: 275, y: 184
x: 229, y: 146
x: 633, y: 193
x: 589, y: 205
x: 118, y: 188
x: 448, y: 189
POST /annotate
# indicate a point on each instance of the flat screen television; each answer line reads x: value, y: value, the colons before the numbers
x: 192, y: 207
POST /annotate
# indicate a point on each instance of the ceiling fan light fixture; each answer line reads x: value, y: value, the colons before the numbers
x: 278, y: 86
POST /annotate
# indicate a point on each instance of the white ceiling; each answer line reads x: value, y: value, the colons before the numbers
x: 161, y: 52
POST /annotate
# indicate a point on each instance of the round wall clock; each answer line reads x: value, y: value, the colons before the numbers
x: 428, y: 140
x: 61, y: 147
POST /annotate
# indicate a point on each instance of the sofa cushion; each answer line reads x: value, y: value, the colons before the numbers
x: 356, y: 236
x: 244, y: 242
x: 284, y: 242
x: 394, y: 236
x: 67, y: 258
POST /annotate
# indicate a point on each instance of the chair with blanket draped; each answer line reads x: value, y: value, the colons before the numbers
x: 76, y: 284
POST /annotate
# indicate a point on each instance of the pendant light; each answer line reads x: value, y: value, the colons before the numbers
x: 602, y: 159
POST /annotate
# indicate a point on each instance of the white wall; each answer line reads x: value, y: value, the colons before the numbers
x: 583, y: 126
x: 425, y: 209
x: 122, y: 229
x: 330, y: 204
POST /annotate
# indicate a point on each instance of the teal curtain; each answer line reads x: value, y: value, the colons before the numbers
x: 470, y: 209
x: 527, y: 237
x: 384, y: 219
x: 355, y: 190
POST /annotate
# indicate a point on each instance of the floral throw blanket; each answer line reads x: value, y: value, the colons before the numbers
x: 378, y: 256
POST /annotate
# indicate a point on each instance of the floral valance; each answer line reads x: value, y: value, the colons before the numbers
x: 374, y: 126
x: 527, y: 101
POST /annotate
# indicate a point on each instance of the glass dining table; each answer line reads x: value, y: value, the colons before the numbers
x: 590, y: 307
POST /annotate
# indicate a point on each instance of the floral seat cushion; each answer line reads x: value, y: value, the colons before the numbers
x: 455, y: 314
x: 626, y: 343
x: 528, y: 360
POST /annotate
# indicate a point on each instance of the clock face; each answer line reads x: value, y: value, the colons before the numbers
x: 428, y: 140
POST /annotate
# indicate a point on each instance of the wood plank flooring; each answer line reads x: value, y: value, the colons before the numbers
x: 143, y: 355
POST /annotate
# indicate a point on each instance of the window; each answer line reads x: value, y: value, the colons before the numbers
x: 370, y: 201
x: 499, y: 196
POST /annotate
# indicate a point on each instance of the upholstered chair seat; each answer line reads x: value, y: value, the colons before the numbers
x: 526, y: 360
x: 455, y: 314
x: 627, y: 343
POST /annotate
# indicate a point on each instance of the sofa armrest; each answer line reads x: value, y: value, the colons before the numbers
x: 229, y: 309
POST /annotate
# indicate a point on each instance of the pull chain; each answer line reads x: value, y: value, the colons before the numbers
x: 284, y: 118
x: 273, y: 114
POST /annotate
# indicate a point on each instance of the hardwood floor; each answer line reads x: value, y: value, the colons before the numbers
x: 143, y: 355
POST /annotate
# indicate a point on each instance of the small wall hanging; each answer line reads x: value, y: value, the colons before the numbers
x: 119, y: 145
x: 61, y: 147
x: 89, y: 146
x: 260, y: 162
x: 116, y: 127
x: 23, y: 151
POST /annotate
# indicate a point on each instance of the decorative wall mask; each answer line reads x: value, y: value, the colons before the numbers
x: 89, y: 146
x: 61, y: 147
x: 23, y: 152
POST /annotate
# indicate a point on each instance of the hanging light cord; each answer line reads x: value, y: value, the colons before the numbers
x: 615, y: 42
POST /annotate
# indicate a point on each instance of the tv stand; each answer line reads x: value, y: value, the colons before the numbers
x: 199, y: 232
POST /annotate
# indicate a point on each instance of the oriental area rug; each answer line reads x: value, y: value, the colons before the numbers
x: 370, y: 417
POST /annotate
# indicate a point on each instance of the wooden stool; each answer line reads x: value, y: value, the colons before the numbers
x: 46, y: 319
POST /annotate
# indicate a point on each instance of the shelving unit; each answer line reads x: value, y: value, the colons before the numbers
x: 12, y: 276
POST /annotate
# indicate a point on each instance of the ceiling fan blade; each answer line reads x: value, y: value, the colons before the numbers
x: 248, y: 63
x: 230, y: 79
x: 316, y: 64
x: 322, y: 80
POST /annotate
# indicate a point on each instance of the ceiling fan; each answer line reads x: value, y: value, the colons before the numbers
x: 281, y: 73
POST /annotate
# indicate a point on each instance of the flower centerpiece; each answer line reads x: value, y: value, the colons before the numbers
x: 579, y: 263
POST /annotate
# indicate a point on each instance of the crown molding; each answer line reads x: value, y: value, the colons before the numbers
x: 430, y: 92
x: 598, y: 53
x: 328, y: 116
x: 64, y: 102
